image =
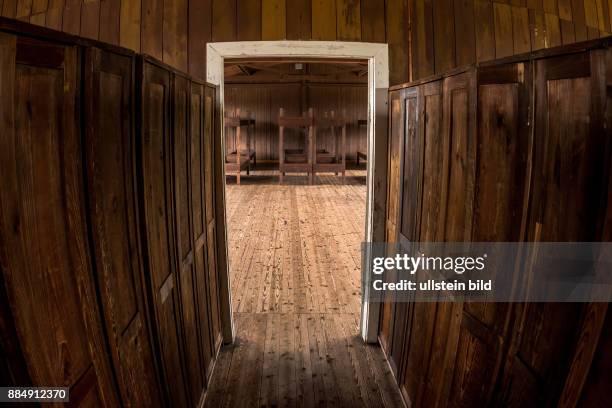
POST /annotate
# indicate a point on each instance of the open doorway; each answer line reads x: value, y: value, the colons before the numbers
x: 295, y: 145
x: 376, y: 56
x: 298, y: 118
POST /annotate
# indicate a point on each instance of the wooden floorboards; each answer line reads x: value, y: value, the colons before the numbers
x: 295, y: 272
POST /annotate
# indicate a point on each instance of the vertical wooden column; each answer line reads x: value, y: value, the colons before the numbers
x: 248, y: 140
x: 281, y: 151
x: 343, y: 146
x: 237, y: 146
x: 312, y: 150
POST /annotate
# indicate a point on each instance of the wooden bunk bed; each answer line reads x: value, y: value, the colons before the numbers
x: 240, y: 158
x: 334, y: 161
x: 361, y: 152
x: 295, y: 160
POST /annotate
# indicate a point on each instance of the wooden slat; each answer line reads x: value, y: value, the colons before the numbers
x: 348, y: 16
x: 422, y: 38
x: 71, y: 21
x: 579, y: 19
x: 520, y: 30
x: 273, y: 20
x: 299, y: 19
x: 444, y: 38
x: 485, y: 30
x: 175, y: 30
x: 129, y: 25
x: 553, y: 31
x: 249, y: 20
x: 24, y: 9
x: 465, y: 41
x: 90, y: 19
x: 9, y: 8
x: 372, y: 21
x: 110, y: 11
x: 568, y: 34
x: 54, y: 14
x: 200, y: 32
x: 538, y: 29
x: 152, y: 28
x: 503, y: 30
x: 224, y: 20
x: 565, y: 9
x: 323, y: 20
x: 398, y: 38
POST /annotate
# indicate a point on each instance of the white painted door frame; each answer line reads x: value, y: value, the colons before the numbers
x: 378, y: 84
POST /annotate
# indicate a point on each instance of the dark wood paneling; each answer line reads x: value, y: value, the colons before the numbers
x: 199, y: 236
x: 156, y: 185
x: 488, y: 175
x: 211, y: 232
x: 45, y: 251
x: 181, y: 94
x: 109, y: 153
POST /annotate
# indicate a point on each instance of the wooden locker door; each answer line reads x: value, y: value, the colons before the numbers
x: 199, y: 226
x: 157, y: 152
x: 110, y: 167
x: 396, y: 131
x: 181, y: 91
x: 503, y: 146
x: 456, y: 196
x: 211, y: 233
x: 410, y: 175
x: 43, y: 235
x: 571, y: 159
x: 418, y: 343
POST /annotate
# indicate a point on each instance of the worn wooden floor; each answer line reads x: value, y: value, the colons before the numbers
x: 295, y: 270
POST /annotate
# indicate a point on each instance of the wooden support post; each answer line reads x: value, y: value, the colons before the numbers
x: 237, y: 147
x: 281, y: 150
x: 343, y: 148
x: 248, y: 142
x: 311, y: 135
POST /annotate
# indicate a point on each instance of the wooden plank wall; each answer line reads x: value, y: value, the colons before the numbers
x: 264, y: 101
x: 444, y: 34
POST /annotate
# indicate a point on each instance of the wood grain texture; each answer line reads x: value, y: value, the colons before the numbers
x: 175, y: 33
x: 504, y: 45
x: 130, y: 25
x: 200, y: 32
x: 323, y: 20
x: 225, y: 22
x: 348, y: 17
x: 273, y: 20
x: 152, y: 28
x: 110, y: 25
x: 249, y: 20
x: 372, y: 21
x: 444, y: 37
x: 465, y: 41
x: 398, y: 38
x: 299, y: 19
x: 422, y: 38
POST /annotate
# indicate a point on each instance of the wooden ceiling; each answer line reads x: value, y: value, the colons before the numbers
x: 292, y: 71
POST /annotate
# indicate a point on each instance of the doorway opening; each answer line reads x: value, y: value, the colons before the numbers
x: 297, y: 117
x: 376, y: 56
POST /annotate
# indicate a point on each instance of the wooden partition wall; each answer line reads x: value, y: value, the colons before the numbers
x: 514, y: 150
x: 107, y: 223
